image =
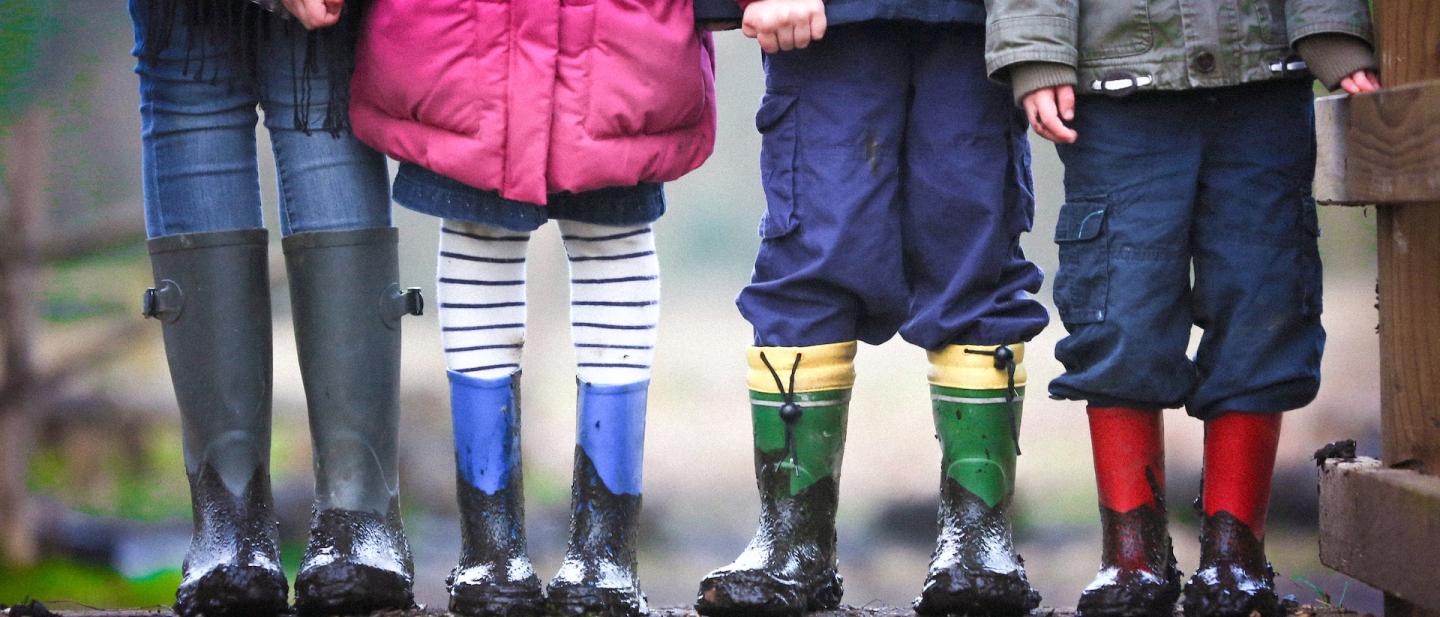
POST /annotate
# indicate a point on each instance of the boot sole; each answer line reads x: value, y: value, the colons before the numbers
x: 977, y: 595
x: 497, y: 601
x: 578, y: 600
x: 759, y: 594
x: 232, y: 590
x: 351, y: 589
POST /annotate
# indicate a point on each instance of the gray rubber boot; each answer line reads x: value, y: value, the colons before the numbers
x: 347, y: 307
x: 212, y: 296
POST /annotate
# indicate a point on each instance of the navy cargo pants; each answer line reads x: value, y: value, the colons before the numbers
x: 1214, y: 180
x: 897, y: 179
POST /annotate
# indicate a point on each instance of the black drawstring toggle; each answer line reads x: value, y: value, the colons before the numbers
x: 790, y: 412
x: 1005, y: 361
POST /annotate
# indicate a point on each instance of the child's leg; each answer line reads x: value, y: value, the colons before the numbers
x: 482, y: 299
x: 1257, y: 295
x: 482, y: 317
x: 614, y: 311
x: 967, y: 200
x: 829, y: 272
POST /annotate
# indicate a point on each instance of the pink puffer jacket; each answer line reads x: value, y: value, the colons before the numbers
x: 530, y: 97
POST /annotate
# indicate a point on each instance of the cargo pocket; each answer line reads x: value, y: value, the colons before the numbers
x: 1082, y: 283
x: 776, y: 122
x: 1311, y: 277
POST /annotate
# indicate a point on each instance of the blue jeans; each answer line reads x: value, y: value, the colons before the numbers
x: 897, y: 181
x: 1214, y: 180
x: 199, y: 160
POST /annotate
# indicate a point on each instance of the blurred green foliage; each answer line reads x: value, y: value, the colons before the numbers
x: 55, y: 581
x: 26, y: 25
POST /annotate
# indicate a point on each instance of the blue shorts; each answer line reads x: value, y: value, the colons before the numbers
x: 897, y: 182
x: 1214, y: 180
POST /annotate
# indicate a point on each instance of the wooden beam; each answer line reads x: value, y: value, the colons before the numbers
x: 1409, y: 38
x: 1379, y: 148
x: 1382, y: 526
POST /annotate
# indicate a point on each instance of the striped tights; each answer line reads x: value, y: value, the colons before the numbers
x: 614, y: 299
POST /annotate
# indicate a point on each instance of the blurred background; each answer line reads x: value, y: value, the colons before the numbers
x: 94, y: 508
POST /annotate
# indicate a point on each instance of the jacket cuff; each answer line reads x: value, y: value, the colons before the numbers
x: 1028, y: 77
x: 1332, y: 57
x: 1030, y: 38
x: 718, y: 10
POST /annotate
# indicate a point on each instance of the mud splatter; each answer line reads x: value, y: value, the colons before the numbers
x: 1138, y: 575
x: 356, y: 562
x: 233, y: 564
x: 789, y: 566
x: 1234, y: 578
x: 1344, y: 450
x: 598, y: 576
x: 495, y: 575
x: 974, y: 569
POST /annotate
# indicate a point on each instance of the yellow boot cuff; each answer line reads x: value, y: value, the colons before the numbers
x: 822, y: 367
x: 953, y: 367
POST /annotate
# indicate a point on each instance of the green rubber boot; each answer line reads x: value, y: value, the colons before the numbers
x: 789, y: 567
x: 976, y: 394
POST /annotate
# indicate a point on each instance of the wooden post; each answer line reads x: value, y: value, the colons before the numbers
x: 1408, y: 33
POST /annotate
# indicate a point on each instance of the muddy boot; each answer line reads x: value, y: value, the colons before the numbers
x: 212, y: 293
x: 494, y: 576
x: 1234, y: 578
x: 799, y: 400
x: 347, y: 308
x: 1138, y: 576
x: 598, y: 576
x: 975, y: 394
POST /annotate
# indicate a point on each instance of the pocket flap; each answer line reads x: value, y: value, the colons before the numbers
x: 1081, y: 219
x: 772, y: 109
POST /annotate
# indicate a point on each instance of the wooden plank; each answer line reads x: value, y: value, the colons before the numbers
x: 1409, y: 281
x: 1382, y: 526
x: 1379, y: 148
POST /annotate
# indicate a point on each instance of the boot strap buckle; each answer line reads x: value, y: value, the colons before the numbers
x: 163, y: 302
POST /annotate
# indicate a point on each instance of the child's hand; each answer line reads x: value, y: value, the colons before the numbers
x: 315, y: 14
x: 1363, y: 80
x: 784, y: 24
x: 1047, y: 107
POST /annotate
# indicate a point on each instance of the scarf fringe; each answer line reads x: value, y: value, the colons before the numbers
x: 237, y: 29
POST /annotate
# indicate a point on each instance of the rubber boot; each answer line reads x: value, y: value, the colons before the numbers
x: 976, y: 394
x: 598, y: 576
x: 1138, y: 576
x: 790, y: 567
x: 494, y: 576
x: 212, y: 293
x: 1234, y: 578
x: 347, y: 308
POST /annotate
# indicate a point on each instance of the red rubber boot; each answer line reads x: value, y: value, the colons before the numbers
x: 1138, y: 576
x: 1234, y: 578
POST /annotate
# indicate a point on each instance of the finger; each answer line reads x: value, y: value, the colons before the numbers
x: 1032, y: 114
x: 748, y: 29
x: 786, y: 35
x: 768, y: 42
x: 1363, y: 79
x: 818, y: 24
x: 802, y: 35
x: 1348, y: 85
x: 1050, y: 117
x: 1066, y: 99
x: 1374, y: 79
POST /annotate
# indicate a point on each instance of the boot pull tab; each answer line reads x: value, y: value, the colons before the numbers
x: 1005, y: 361
x: 396, y: 303
x: 164, y: 301
x: 790, y: 412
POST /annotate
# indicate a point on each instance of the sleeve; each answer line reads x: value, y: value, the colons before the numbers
x: 1028, y: 77
x: 1030, y: 31
x: 717, y: 10
x: 1309, y: 17
x: 1332, y: 57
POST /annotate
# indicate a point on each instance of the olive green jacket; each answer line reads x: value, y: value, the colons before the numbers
x: 1117, y: 46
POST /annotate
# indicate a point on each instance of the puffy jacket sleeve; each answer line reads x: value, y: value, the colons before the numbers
x: 1030, y: 31
x: 1306, y: 17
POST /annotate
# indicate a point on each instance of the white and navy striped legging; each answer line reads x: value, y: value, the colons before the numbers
x: 614, y: 299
